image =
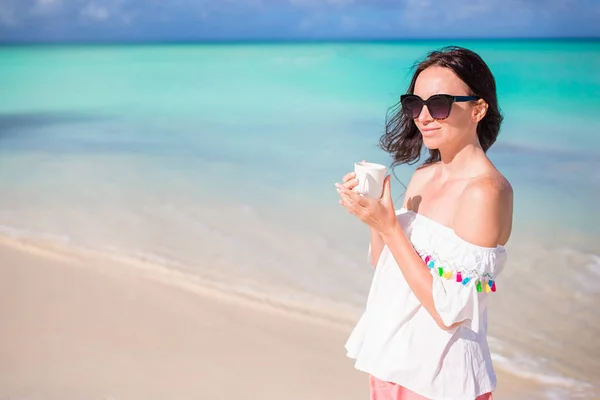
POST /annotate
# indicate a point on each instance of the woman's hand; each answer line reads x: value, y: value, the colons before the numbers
x: 349, y: 181
x: 379, y: 214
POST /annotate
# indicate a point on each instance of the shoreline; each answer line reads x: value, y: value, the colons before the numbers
x: 117, y: 266
x: 82, y: 303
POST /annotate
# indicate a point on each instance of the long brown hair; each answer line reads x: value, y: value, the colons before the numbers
x: 402, y: 138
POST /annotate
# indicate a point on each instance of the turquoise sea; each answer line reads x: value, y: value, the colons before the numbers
x: 220, y: 160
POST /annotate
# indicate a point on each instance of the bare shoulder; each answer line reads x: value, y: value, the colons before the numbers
x: 492, y: 187
x: 419, y: 179
x: 484, y: 214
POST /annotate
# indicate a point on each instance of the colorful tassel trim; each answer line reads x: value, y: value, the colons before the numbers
x: 484, y: 284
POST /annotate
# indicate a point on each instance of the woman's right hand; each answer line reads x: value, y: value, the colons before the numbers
x: 349, y: 181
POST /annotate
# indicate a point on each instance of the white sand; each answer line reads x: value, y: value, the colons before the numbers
x: 85, y: 328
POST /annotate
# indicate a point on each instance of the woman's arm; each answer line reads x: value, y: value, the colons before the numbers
x: 377, y: 243
x: 481, y: 220
x: 415, y: 271
x: 377, y: 246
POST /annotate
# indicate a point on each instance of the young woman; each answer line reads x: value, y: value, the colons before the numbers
x: 436, y: 259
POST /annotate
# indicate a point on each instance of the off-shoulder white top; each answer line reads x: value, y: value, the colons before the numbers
x: 397, y: 340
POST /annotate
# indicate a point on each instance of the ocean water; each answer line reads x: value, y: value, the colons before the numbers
x: 220, y: 160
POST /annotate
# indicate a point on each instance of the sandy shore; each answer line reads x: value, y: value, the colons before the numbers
x: 82, y: 328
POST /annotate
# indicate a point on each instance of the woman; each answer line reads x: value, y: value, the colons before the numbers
x: 423, y: 332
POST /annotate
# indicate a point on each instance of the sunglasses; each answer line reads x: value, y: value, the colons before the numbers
x: 439, y: 105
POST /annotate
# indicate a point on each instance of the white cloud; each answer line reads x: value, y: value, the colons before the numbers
x: 95, y: 12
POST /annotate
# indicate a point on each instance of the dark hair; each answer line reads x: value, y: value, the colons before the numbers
x: 402, y: 138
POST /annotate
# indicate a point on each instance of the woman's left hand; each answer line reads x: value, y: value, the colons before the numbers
x: 377, y: 213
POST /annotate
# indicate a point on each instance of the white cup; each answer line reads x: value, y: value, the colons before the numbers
x: 370, y: 179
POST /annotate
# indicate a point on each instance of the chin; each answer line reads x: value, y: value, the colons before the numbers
x: 432, y: 142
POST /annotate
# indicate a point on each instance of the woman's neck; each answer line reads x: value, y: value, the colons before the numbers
x: 455, y: 162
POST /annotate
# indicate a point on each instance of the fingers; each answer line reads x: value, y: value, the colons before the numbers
x: 344, y: 199
x: 351, y: 200
x: 351, y: 184
x: 350, y: 181
x: 386, y: 196
x: 348, y: 176
x: 350, y: 205
x: 355, y: 197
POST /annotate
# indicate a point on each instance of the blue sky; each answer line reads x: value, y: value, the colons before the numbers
x: 132, y: 20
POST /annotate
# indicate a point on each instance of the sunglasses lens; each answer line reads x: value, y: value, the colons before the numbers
x: 439, y: 107
x: 411, y: 106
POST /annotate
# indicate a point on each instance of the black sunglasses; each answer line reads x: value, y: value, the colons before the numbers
x: 439, y: 105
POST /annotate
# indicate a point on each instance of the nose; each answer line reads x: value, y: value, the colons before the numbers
x: 424, y: 117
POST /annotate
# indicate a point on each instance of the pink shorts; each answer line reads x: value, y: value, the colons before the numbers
x: 381, y: 390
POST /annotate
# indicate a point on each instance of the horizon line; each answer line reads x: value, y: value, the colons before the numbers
x: 324, y: 40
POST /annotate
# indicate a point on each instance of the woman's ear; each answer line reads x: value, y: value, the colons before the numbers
x: 479, y: 110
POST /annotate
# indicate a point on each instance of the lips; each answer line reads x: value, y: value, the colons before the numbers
x: 429, y: 132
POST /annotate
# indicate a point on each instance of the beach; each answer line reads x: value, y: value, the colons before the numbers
x: 184, y: 178
x: 77, y: 326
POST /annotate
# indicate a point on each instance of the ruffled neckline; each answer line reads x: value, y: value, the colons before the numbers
x: 450, y: 231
